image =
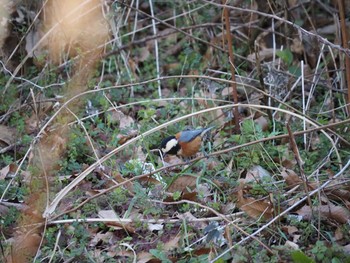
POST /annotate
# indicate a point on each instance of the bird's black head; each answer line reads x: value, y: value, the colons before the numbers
x: 170, y: 145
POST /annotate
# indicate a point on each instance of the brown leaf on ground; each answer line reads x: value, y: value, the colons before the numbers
x: 263, y: 122
x: 118, y: 226
x: 182, y: 183
x: 171, y: 160
x: 107, y: 214
x: 124, y: 138
x: 118, y: 177
x: 8, y: 169
x: 290, y: 230
x: 144, y: 54
x: 98, y: 237
x: 124, y: 121
x: 191, y: 196
x: 201, y: 251
x: 172, y: 243
x: 292, y: 179
x: 255, y: 174
x: 335, y: 212
x: 292, y: 245
x: 3, y: 210
x: 255, y: 208
x: 26, y: 247
x: 338, y: 235
x: 264, y: 54
x: 7, y: 136
x: 337, y: 190
x: 144, y: 257
x: 110, y: 214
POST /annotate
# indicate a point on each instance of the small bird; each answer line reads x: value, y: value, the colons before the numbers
x: 185, y: 143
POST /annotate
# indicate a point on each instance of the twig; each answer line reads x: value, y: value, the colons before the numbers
x: 341, y: 6
x: 232, y: 67
x: 156, y: 49
x: 300, y: 163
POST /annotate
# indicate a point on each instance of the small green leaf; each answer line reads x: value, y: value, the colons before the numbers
x: 336, y: 260
x: 299, y: 257
x: 295, y: 70
x: 286, y: 55
x: 176, y: 195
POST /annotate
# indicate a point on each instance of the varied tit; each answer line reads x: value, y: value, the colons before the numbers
x: 185, y: 143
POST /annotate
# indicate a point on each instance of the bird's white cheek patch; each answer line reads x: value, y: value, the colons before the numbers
x: 170, y: 144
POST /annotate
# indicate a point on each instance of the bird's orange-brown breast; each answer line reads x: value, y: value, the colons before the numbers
x: 189, y: 148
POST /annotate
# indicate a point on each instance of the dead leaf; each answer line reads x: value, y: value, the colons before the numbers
x: 297, y: 46
x: 254, y: 208
x: 4, y: 172
x: 172, y: 243
x: 104, y: 237
x: 117, y: 176
x: 121, y: 226
x: 336, y: 193
x: 182, y: 183
x: 24, y: 247
x: 292, y: 179
x: 288, y: 164
x: 122, y: 253
x: 201, y: 251
x: 338, y: 235
x: 315, y: 142
x: 212, y: 164
x: 155, y: 227
x: 9, y: 169
x: 172, y: 159
x: 118, y: 116
x: 3, y: 210
x: 335, y: 212
x: 255, y: 174
x: 290, y: 229
x: 150, y: 180
x: 170, y: 67
x: 144, y: 257
x: 264, y: 54
x: 262, y: 122
x: 296, y: 238
x: 144, y: 54
x: 7, y: 135
x: 191, y: 196
x: 107, y: 214
x: 292, y: 245
x: 124, y: 138
x: 228, y: 208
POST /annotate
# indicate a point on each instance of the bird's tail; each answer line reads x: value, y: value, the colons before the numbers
x: 205, y: 130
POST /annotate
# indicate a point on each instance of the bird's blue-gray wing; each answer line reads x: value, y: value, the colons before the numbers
x: 187, y: 136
